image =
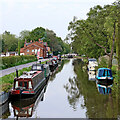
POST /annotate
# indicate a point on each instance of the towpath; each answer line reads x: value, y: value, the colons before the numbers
x: 12, y: 69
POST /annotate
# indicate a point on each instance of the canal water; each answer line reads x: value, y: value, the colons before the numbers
x: 71, y: 92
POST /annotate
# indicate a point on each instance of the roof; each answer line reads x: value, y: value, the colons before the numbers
x: 104, y: 68
x: 92, y: 59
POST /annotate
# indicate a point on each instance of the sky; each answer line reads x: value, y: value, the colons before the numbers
x: 18, y: 15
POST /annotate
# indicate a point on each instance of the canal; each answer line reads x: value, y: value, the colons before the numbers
x: 71, y: 92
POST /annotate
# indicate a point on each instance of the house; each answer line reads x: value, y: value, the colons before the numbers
x: 38, y: 48
x: 9, y: 54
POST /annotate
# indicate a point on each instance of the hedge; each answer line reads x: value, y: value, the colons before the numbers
x: 16, y: 60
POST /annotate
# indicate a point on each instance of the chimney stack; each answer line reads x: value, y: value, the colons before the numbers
x: 39, y: 40
x: 25, y: 43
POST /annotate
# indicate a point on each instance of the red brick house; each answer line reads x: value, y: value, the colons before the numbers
x: 33, y: 48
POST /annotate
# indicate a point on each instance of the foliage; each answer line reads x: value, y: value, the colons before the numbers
x: 7, y: 80
x: 9, y: 42
x: 95, y: 36
x: 16, y: 60
x: 56, y: 44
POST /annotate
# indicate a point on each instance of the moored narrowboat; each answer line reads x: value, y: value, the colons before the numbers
x: 42, y: 67
x: 28, y: 84
x: 104, y: 76
x: 92, y: 63
x: 52, y: 64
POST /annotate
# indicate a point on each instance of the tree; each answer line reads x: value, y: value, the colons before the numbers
x: 10, y: 41
x: 96, y: 35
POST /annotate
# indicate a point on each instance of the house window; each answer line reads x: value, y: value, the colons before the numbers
x: 32, y: 50
x: 27, y: 50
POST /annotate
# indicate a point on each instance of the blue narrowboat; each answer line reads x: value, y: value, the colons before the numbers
x: 104, y: 76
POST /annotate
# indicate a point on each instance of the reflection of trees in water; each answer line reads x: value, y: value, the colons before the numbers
x: 97, y: 105
x: 73, y: 87
x: 4, y: 111
x: 59, y: 68
x: 73, y: 92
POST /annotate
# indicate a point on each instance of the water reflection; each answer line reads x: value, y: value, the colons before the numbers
x: 104, y: 89
x: 92, y: 75
x: 73, y: 87
x: 97, y: 105
x: 25, y: 108
x: 4, y: 110
x: 58, y: 69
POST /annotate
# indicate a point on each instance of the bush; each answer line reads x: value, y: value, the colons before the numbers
x: 16, y: 60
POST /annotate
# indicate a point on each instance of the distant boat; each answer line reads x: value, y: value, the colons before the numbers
x: 104, y: 76
x: 92, y: 63
x: 53, y: 64
x: 42, y: 67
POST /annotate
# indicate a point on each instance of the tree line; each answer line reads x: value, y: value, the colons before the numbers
x: 10, y: 42
x: 99, y: 34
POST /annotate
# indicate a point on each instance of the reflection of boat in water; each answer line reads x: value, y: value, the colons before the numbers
x: 104, y: 76
x: 104, y: 89
x: 92, y: 75
x: 25, y: 108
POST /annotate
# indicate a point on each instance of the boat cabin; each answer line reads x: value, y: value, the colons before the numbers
x: 104, y: 76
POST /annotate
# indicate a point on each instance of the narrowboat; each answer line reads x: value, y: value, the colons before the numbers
x: 104, y: 89
x: 52, y: 64
x: 92, y: 63
x: 59, y: 58
x: 104, y: 76
x: 42, y: 67
x: 27, y: 85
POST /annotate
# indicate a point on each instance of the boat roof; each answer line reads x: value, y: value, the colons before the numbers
x: 30, y: 74
x: 92, y: 59
x: 104, y: 69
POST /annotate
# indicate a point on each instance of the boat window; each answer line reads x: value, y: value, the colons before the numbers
x: 25, y: 84
x: 36, y: 68
x: 100, y: 73
x: 104, y: 73
x: 30, y: 85
x: 16, y: 84
x: 110, y: 73
x: 20, y: 84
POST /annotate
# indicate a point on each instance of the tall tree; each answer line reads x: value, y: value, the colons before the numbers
x: 10, y: 41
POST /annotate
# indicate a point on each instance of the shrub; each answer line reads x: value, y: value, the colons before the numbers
x: 16, y: 60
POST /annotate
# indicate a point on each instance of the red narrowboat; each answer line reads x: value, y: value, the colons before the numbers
x: 28, y: 84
